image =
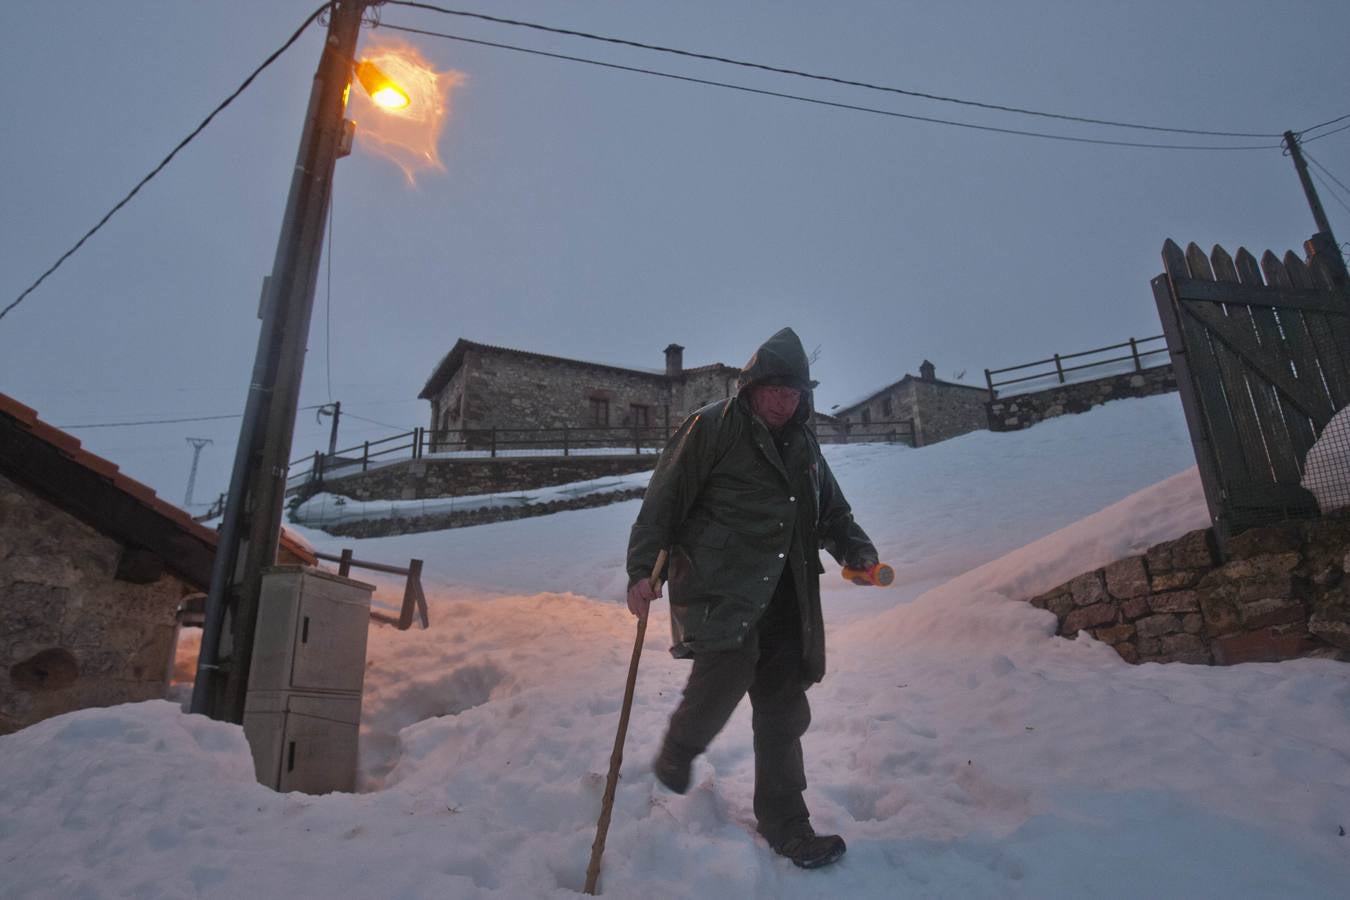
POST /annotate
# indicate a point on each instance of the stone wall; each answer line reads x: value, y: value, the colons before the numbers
x: 71, y: 634
x: 463, y: 518
x: 939, y: 410
x: 424, y: 479
x: 1280, y: 592
x: 447, y: 407
x: 698, y: 388
x: 943, y: 411
x: 1024, y: 410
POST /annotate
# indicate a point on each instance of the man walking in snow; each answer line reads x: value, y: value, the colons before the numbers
x: 743, y: 500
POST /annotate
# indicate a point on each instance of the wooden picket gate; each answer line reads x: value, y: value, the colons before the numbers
x: 1262, y: 365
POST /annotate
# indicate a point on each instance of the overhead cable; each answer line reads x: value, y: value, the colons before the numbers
x: 1334, y: 196
x: 830, y: 103
x: 1318, y: 137
x: 165, y: 161
x: 816, y: 77
x: 351, y: 415
x: 1325, y: 171
x: 164, y: 421
x: 1325, y: 124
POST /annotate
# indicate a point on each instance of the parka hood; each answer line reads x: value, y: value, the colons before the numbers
x: 779, y: 360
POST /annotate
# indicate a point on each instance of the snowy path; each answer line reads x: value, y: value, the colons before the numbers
x: 961, y: 749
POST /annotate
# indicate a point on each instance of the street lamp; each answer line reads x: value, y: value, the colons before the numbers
x: 251, y: 525
x: 382, y: 89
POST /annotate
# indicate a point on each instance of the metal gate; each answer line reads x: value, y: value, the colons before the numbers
x: 1263, y: 366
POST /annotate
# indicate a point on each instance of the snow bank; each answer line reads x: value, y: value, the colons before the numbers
x: 961, y: 748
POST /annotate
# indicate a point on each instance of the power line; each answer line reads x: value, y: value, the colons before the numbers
x: 165, y: 421
x: 1334, y: 196
x: 830, y: 103
x: 1324, y: 134
x: 1324, y: 124
x: 154, y: 422
x: 165, y: 161
x: 1326, y: 171
x: 1322, y: 181
x: 816, y: 77
x: 350, y: 415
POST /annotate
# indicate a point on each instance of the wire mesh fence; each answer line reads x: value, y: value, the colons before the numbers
x: 1326, y: 470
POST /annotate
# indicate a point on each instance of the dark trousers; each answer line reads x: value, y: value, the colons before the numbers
x: 767, y: 666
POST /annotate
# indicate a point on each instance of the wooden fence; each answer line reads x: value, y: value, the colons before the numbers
x: 1262, y: 357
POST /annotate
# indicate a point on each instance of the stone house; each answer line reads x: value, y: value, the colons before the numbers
x: 479, y: 386
x: 938, y: 409
x: 93, y: 569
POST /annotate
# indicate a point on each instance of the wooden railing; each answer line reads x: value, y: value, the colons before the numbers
x: 564, y: 441
x: 893, y: 431
x: 1055, y: 367
x: 471, y: 443
x: 414, y: 600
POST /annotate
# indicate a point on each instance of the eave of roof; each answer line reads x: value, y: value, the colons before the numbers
x: 450, y: 363
x: 188, y: 554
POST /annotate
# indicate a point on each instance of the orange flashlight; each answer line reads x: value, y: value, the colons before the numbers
x: 880, y: 575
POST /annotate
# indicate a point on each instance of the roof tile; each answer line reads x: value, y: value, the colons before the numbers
x: 70, y: 445
x: 14, y: 408
x: 66, y: 443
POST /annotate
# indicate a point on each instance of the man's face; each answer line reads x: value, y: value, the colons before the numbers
x: 775, y: 404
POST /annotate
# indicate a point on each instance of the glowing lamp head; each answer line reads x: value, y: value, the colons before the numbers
x: 381, y: 88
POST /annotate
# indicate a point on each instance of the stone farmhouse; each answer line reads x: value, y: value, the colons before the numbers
x: 479, y: 386
x: 94, y: 570
x: 939, y: 409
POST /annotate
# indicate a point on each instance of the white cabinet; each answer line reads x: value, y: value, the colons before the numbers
x: 302, y: 712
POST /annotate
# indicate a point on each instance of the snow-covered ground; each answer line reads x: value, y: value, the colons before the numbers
x: 961, y: 748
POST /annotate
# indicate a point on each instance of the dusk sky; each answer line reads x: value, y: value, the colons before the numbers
x: 601, y: 214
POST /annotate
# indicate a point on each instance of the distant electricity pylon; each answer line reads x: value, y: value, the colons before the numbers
x: 197, y: 445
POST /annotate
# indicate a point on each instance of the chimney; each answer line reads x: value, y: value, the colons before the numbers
x: 674, y: 361
x: 927, y: 371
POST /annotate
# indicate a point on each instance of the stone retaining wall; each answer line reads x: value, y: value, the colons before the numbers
x: 424, y: 479
x: 1281, y: 592
x: 462, y: 518
x: 1024, y: 410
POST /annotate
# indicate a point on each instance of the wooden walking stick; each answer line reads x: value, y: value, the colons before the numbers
x: 616, y: 758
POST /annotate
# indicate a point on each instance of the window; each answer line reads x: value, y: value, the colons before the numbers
x: 641, y: 415
x: 599, y: 411
x: 867, y: 416
x: 886, y: 409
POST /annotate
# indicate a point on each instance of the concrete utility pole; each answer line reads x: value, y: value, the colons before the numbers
x: 1322, y: 245
x: 251, y: 526
x: 197, y: 445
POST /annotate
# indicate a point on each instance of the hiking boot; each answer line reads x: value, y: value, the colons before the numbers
x: 809, y: 850
x: 671, y: 768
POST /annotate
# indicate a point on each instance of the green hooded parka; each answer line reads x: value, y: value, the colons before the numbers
x: 734, y: 503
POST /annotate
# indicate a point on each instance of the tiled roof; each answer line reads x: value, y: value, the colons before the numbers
x: 841, y: 409
x: 69, y: 448
x: 451, y: 362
